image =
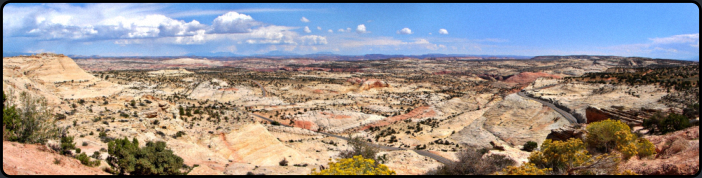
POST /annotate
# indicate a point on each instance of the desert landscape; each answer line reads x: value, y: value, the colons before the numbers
x: 420, y: 113
x: 133, y: 89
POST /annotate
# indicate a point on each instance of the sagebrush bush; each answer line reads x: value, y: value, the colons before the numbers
x: 359, y: 147
x: 472, y: 162
x: 355, y: 166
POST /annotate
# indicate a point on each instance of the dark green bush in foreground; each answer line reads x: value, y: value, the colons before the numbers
x: 127, y: 158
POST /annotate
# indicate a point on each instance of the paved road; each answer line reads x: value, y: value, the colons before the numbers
x: 565, y: 114
x: 420, y: 152
x: 259, y: 85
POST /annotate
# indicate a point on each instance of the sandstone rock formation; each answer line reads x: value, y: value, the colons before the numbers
x: 54, y: 77
x: 515, y: 120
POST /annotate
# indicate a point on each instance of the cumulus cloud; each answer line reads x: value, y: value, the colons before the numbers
x: 341, y: 30
x: 404, y: 31
x: 307, y: 29
x: 303, y: 19
x: 313, y: 40
x: 361, y: 29
x: 443, y: 31
x: 330, y: 31
x: 348, y: 29
x: 319, y: 28
x: 233, y: 22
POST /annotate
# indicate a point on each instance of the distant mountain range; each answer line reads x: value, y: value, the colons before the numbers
x: 331, y: 56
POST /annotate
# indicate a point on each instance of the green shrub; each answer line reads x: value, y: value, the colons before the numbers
x: 57, y: 161
x: 661, y: 125
x: 673, y: 122
x: 96, y: 155
x: 67, y: 145
x: 127, y: 158
x: 530, y: 146
x: 275, y: 123
x: 78, y: 150
x: 85, y: 160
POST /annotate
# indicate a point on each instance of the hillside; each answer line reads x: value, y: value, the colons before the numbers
x: 28, y: 159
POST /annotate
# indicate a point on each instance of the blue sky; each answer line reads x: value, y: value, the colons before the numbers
x: 647, y: 30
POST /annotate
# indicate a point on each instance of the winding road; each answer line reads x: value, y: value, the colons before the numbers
x: 420, y: 152
x: 565, y: 114
x: 259, y: 85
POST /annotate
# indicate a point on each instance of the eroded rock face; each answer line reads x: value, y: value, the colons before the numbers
x: 678, y: 154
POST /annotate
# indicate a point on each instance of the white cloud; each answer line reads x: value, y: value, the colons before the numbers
x: 684, y: 38
x: 348, y: 29
x: 361, y: 29
x: 341, y: 30
x: 429, y: 33
x: 319, y: 28
x: 313, y: 40
x: 330, y: 31
x: 404, y: 31
x: 303, y: 19
x: 443, y: 31
x: 307, y: 29
x: 233, y: 22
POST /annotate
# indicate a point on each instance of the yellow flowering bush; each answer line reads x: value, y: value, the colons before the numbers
x: 627, y: 172
x: 524, y: 169
x: 560, y: 155
x: 645, y: 148
x: 613, y: 134
x: 355, y: 166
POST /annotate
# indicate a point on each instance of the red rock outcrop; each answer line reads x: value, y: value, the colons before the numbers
x: 528, y: 77
x: 677, y: 154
